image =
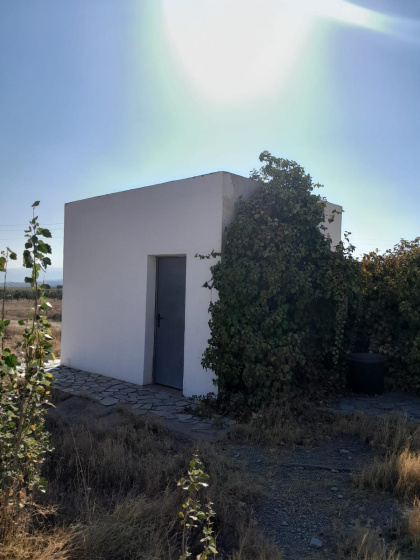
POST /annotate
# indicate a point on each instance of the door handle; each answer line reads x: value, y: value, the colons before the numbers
x: 159, y: 317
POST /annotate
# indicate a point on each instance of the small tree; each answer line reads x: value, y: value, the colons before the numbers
x: 25, y: 389
x: 281, y: 321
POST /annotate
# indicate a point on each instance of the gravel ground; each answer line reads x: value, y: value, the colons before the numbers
x: 310, y: 500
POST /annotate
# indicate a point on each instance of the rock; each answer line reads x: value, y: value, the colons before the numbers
x: 284, y: 523
x: 334, y: 489
x: 107, y: 401
x: 146, y: 406
x: 183, y: 417
x: 340, y: 496
x: 344, y: 451
x: 316, y: 543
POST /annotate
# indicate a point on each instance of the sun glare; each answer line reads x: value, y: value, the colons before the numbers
x: 243, y: 49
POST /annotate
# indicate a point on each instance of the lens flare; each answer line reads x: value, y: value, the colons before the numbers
x: 243, y: 49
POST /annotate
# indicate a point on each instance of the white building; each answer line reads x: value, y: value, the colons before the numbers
x: 133, y: 304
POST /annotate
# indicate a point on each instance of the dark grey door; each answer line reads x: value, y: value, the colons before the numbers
x: 170, y: 321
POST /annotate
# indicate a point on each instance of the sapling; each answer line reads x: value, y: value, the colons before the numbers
x: 194, y: 514
x: 25, y: 388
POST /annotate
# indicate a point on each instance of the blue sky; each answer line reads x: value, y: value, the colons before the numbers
x: 97, y: 97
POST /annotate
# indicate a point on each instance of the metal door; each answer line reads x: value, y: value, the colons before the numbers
x: 170, y: 321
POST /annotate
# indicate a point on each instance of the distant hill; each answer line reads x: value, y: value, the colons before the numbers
x: 24, y: 285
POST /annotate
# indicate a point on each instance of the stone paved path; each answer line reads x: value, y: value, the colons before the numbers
x: 169, y: 404
x: 151, y: 400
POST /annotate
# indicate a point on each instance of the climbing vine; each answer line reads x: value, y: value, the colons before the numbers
x: 287, y: 303
x: 391, y: 312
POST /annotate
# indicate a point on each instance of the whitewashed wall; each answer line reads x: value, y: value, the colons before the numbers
x: 110, y: 245
x: 109, y: 276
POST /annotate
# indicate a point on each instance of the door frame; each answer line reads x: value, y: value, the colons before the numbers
x: 150, y: 318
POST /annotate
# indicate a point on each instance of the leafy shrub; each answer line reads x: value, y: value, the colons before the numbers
x: 287, y: 303
x: 391, y: 311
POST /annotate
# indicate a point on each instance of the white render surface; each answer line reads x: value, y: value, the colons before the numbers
x: 110, y: 247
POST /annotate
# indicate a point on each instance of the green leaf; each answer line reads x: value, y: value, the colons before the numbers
x: 44, y: 232
x: 11, y: 360
x: 36, y: 203
x: 27, y: 259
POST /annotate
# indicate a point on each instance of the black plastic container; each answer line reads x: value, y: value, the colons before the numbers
x: 366, y: 373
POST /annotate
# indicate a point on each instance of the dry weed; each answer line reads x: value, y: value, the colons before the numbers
x: 253, y: 546
x: 39, y: 542
x: 397, y: 472
x: 364, y: 543
x: 389, y: 434
x: 19, y: 309
x: 408, y: 468
x: 119, y: 482
x: 413, y: 522
x: 299, y: 422
x: 283, y: 423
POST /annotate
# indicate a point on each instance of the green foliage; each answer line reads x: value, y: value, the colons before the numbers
x: 391, y: 311
x: 287, y: 303
x: 194, y: 515
x: 25, y: 387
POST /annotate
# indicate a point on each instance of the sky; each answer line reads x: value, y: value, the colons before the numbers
x: 102, y: 96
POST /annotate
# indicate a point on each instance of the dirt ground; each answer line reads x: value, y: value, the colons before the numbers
x: 309, y: 506
x: 14, y: 310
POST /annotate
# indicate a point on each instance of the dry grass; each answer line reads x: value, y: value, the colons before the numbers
x: 365, y: 544
x: 296, y: 422
x: 29, y: 536
x: 19, y: 309
x: 413, y: 523
x: 397, y: 472
x: 119, y: 484
x: 285, y: 423
x: 385, y: 435
x: 49, y: 545
x: 408, y: 469
x: 396, y: 465
x: 116, y: 494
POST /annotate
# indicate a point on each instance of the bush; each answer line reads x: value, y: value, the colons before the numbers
x: 391, y: 311
x: 287, y: 303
